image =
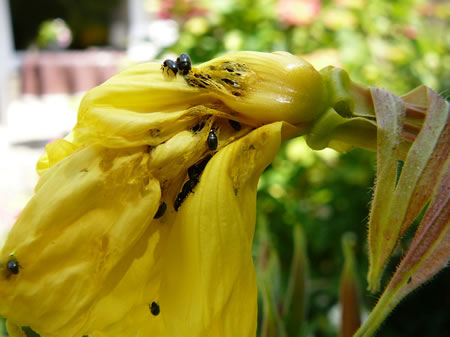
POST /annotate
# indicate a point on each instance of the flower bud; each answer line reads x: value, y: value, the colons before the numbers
x: 263, y: 87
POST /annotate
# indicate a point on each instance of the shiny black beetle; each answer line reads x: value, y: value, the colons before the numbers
x: 184, y: 63
x: 161, y: 210
x: 235, y: 125
x: 179, y: 200
x: 196, y: 170
x: 169, y: 66
x: 212, y: 140
x: 154, y: 308
x: 188, y: 187
x: 13, y: 266
x: 194, y: 173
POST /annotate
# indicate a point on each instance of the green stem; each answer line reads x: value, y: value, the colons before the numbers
x: 377, y: 316
x: 289, y: 38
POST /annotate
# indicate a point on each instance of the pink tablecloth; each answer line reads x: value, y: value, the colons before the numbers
x: 67, y: 72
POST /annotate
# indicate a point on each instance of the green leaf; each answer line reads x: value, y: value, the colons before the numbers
x: 390, y: 116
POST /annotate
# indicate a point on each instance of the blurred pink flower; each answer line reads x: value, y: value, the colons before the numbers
x: 410, y: 32
x: 184, y: 9
x: 298, y: 12
x: 165, y: 9
x: 427, y: 9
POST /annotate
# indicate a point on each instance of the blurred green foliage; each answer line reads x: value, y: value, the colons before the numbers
x: 329, y: 195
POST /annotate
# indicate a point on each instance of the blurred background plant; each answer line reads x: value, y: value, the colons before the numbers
x: 307, y: 200
x: 54, y: 34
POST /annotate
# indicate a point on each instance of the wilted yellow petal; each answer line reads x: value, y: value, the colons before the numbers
x: 91, y: 257
x: 87, y: 213
x: 209, y: 268
x: 54, y: 152
x: 141, y: 106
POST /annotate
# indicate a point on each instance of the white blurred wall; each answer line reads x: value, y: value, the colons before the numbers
x: 6, y: 56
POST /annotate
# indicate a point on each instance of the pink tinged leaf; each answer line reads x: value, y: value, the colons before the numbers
x: 430, y: 249
x: 410, y: 196
x: 417, y: 101
x: 436, y: 163
x: 390, y: 115
x: 428, y: 254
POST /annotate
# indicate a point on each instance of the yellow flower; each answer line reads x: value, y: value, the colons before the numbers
x: 93, y: 253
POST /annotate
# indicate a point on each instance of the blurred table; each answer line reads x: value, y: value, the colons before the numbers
x: 67, y: 72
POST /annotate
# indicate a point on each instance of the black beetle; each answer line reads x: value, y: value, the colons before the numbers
x: 13, y: 266
x: 198, y: 127
x: 154, y: 309
x: 235, y: 125
x: 169, y: 65
x: 196, y: 170
x: 188, y: 186
x: 161, y: 210
x: 184, y: 63
x: 212, y: 140
x: 194, y: 173
x: 179, y: 200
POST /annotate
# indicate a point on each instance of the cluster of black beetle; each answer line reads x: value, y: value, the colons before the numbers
x: 182, y: 64
x: 195, y: 171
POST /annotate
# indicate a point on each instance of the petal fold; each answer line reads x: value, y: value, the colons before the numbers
x: 208, y: 287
